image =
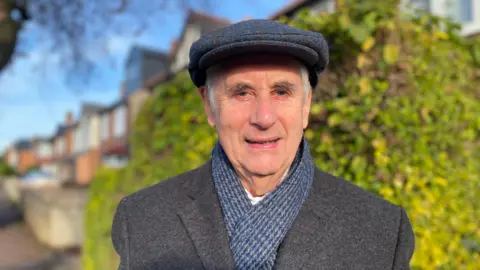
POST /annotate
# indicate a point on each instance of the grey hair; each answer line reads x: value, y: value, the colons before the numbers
x: 213, y: 76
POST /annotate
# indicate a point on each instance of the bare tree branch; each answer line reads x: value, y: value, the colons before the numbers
x: 75, y: 29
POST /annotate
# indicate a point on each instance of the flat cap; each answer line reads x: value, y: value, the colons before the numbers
x: 258, y: 36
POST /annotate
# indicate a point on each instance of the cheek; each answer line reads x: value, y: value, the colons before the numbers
x: 291, y: 114
x: 231, y: 117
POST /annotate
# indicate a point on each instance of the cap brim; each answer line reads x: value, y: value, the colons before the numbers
x: 303, y: 53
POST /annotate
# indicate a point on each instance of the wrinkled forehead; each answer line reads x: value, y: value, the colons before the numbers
x: 258, y: 62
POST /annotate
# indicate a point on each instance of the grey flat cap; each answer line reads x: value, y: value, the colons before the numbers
x: 258, y: 36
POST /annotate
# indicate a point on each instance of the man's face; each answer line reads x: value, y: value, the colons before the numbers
x: 260, y: 111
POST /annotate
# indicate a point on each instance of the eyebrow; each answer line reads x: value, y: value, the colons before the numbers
x: 238, y: 87
x: 284, y: 85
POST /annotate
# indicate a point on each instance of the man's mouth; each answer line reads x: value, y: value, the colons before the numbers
x: 262, y: 141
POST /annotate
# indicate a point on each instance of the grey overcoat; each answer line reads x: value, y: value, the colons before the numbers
x: 178, y: 224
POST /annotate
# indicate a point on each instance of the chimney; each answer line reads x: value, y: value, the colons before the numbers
x: 69, y: 118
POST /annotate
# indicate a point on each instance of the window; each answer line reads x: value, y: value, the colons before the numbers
x: 104, y: 127
x: 78, y: 142
x: 120, y: 121
x: 44, y: 150
x: 60, y: 146
x: 460, y: 10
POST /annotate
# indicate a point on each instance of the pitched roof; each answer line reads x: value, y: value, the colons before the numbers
x: 207, y: 23
x: 91, y: 108
x: 114, y: 105
x: 22, y: 144
x: 146, y: 52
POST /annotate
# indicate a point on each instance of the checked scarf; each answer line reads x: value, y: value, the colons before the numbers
x: 256, y: 231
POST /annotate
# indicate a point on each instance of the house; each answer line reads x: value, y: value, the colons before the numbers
x: 143, y: 63
x: 146, y: 68
x: 316, y: 6
x: 142, y: 67
x: 86, y: 144
x: 63, y: 163
x: 196, y: 25
x: 43, y: 151
x: 47, y: 164
x: 26, y: 156
x: 465, y: 12
x: 114, y: 149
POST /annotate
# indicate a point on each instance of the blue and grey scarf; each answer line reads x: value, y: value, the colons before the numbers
x: 256, y: 231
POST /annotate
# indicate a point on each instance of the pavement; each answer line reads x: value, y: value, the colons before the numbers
x: 19, y: 250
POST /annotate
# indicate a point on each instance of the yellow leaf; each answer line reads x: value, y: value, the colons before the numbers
x: 361, y: 61
x: 379, y: 144
x: 316, y: 108
x: 368, y: 44
x: 441, y: 181
x: 441, y: 35
x: 309, y: 134
x: 364, y: 86
x: 334, y: 120
x: 386, y: 192
x: 391, y: 53
x: 390, y: 25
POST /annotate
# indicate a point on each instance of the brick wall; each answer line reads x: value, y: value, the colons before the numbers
x: 86, y: 166
x: 26, y: 160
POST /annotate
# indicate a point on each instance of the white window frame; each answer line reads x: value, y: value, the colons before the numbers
x: 120, y: 123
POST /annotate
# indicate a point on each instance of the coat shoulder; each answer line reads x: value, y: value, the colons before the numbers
x: 169, y: 192
x: 346, y: 202
x: 347, y: 194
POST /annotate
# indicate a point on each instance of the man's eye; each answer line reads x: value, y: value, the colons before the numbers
x: 242, y: 94
x: 282, y: 93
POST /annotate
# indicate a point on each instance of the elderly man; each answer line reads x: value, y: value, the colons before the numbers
x: 259, y: 202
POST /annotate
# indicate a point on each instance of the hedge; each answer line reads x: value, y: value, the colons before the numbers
x: 397, y: 113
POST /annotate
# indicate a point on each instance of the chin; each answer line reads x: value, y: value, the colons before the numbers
x: 262, y: 165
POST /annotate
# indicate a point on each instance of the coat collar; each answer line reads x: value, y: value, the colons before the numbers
x: 203, y: 220
x: 309, y: 234
x: 312, y: 233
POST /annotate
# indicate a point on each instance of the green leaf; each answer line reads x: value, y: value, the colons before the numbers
x: 334, y: 120
x: 391, y: 53
x: 359, y: 33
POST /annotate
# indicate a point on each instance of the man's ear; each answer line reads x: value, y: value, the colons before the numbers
x: 206, y: 104
x: 306, y: 108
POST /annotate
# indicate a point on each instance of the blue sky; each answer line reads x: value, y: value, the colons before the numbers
x: 34, y: 98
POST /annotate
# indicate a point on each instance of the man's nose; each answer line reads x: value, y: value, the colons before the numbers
x: 264, y: 114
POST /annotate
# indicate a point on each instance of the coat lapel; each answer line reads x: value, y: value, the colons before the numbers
x: 201, y: 215
x: 306, y: 244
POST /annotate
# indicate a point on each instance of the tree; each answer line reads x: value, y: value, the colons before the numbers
x: 67, y: 27
x: 5, y: 169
